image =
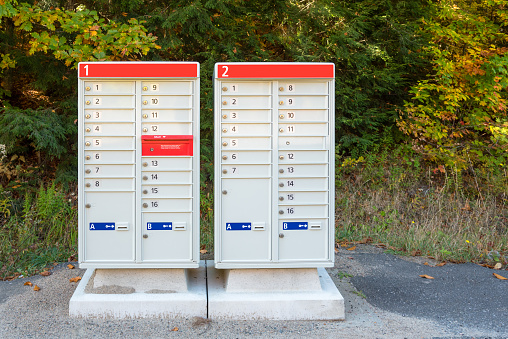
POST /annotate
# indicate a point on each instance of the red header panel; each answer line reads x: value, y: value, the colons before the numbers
x: 166, y: 145
x: 268, y: 70
x: 137, y: 70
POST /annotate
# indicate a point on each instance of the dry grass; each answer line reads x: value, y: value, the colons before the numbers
x: 437, y: 213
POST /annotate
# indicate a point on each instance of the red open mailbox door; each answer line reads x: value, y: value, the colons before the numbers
x: 167, y: 145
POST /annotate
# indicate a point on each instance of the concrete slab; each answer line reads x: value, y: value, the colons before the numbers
x: 269, y: 300
x: 159, y: 279
x: 166, y: 293
x: 274, y: 280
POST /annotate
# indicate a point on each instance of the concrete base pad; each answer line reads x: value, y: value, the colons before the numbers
x: 265, y: 296
x: 141, y: 293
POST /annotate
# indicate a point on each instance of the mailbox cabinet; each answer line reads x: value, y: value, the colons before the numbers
x: 274, y: 165
x: 138, y: 164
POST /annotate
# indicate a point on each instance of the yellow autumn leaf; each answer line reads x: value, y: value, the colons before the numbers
x: 500, y: 277
x: 70, y: 266
x: 441, y: 264
x: 75, y: 279
x: 28, y: 283
x: 36, y: 288
x: 426, y: 276
x: 352, y: 248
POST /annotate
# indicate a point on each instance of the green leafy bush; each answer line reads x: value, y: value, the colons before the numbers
x: 458, y: 114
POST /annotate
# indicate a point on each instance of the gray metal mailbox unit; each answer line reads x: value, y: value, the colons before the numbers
x: 274, y: 165
x: 138, y: 164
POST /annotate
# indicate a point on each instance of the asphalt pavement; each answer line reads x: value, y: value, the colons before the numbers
x: 385, y: 297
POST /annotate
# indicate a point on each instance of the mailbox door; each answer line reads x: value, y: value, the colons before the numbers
x: 110, y: 232
x: 246, y: 220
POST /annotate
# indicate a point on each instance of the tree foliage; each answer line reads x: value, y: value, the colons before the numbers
x: 40, y: 47
x: 377, y: 46
x: 457, y: 115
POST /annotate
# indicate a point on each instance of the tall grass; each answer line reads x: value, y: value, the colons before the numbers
x: 207, y: 219
x: 41, y: 231
x: 424, y: 210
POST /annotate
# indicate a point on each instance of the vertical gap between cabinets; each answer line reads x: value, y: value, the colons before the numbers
x: 206, y: 288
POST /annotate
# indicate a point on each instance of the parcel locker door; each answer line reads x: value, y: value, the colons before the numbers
x: 109, y: 231
x: 167, y: 237
x: 304, y: 239
x: 245, y: 220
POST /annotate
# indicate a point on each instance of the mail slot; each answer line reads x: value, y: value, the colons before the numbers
x: 167, y: 145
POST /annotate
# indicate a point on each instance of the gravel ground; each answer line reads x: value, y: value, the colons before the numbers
x: 376, y: 307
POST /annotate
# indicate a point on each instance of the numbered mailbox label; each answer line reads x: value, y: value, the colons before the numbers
x: 167, y: 205
x: 109, y: 171
x: 116, y: 101
x: 110, y: 87
x: 167, y: 115
x: 303, y: 157
x: 182, y: 177
x: 110, y: 143
x: 105, y: 115
x: 101, y: 226
x: 304, y: 102
x: 304, y: 129
x: 167, y: 191
x: 251, y: 88
x: 119, y: 129
x: 246, y: 171
x: 318, y: 170
x: 159, y: 226
x: 110, y: 184
x: 110, y: 157
x: 296, y: 87
x: 167, y: 101
x: 156, y: 128
x: 303, y: 115
x: 309, y: 197
x: 248, y: 157
x: 303, y: 184
x: 247, y: 129
x: 304, y: 211
x: 168, y: 163
x: 246, y: 143
x: 246, y: 102
x: 173, y: 87
x: 233, y: 116
x: 238, y: 226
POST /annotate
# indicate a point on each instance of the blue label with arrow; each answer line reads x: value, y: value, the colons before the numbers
x: 159, y: 226
x: 102, y: 226
x: 238, y: 226
x: 295, y: 225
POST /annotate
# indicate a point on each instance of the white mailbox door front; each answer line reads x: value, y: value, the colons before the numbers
x: 138, y: 164
x: 274, y: 164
